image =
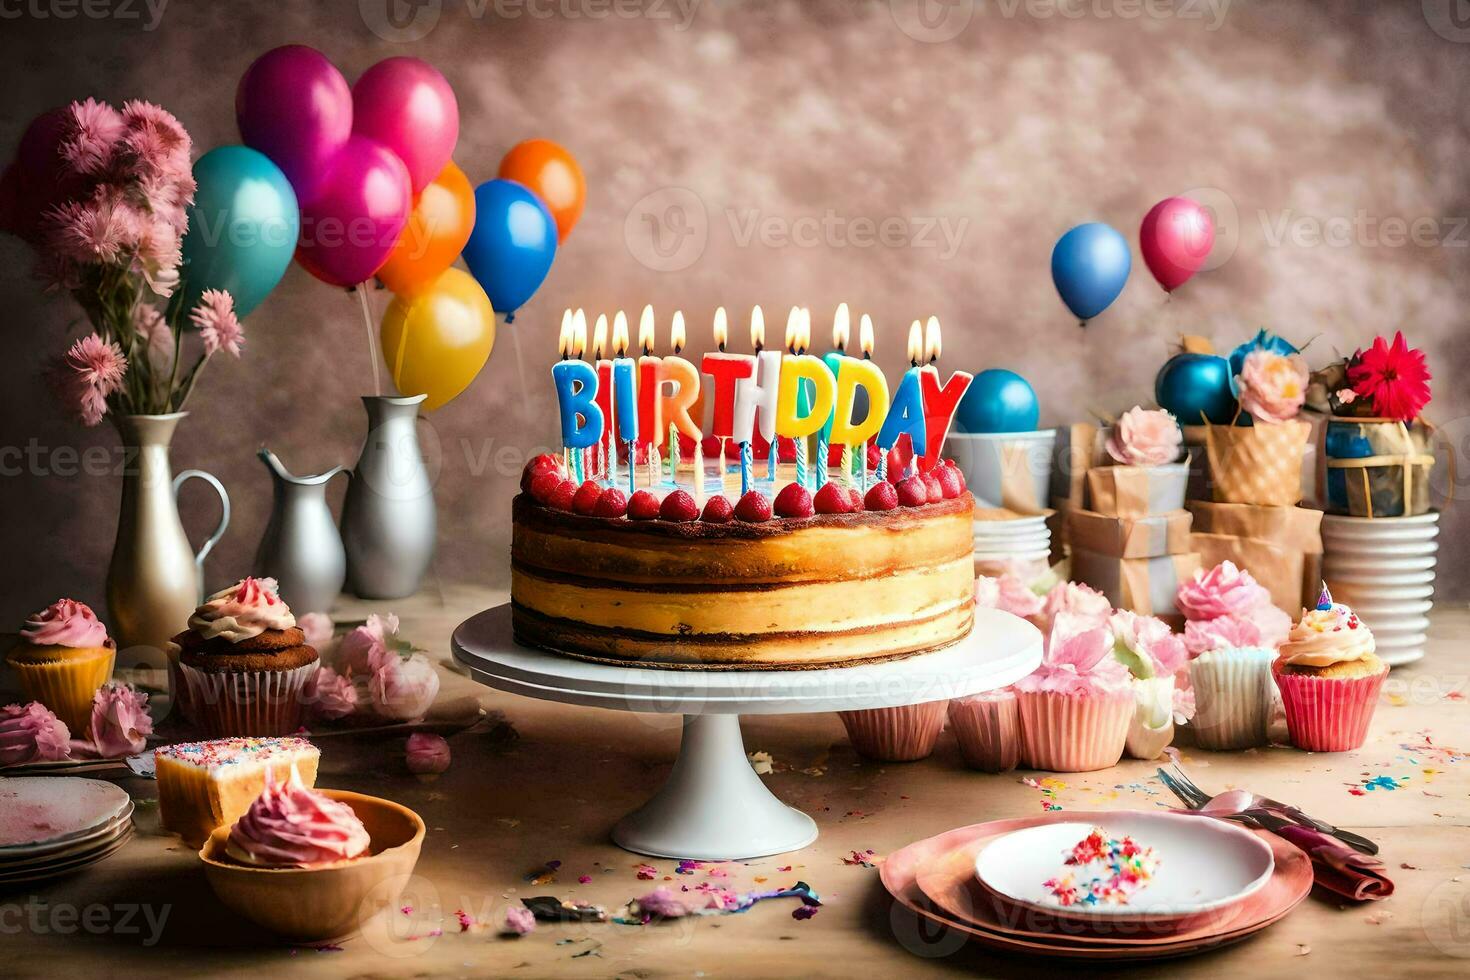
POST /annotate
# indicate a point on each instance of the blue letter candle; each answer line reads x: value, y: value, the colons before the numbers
x: 576, y: 394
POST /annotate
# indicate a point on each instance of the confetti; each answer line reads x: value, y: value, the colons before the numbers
x: 762, y: 763
x: 1049, y: 788
x: 862, y: 859
x: 646, y: 872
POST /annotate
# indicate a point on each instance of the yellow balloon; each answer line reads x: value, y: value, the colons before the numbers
x: 437, y: 340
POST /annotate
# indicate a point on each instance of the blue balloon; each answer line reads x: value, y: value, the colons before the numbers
x: 998, y: 401
x: 512, y: 244
x: 1196, y: 388
x: 1089, y: 265
x: 243, y: 227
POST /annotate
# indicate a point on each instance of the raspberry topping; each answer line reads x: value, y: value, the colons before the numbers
x: 543, y: 487
x: 717, y: 510
x: 753, y: 508
x: 912, y: 492
x: 881, y: 496
x: 545, y: 463
x: 679, y: 507
x: 854, y: 499
x: 561, y: 497
x: 934, y: 488
x: 794, y: 501
x: 643, y: 506
x: 959, y: 474
x: 585, y: 500
x: 612, y: 502
x: 949, y: 480
x: 832, y: 499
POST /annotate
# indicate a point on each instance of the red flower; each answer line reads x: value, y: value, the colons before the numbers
x: 1392, y: 377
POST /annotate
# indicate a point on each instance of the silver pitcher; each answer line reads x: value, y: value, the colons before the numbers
x: 388, y: 519
x: 301, y: 548
x: 156, y: 578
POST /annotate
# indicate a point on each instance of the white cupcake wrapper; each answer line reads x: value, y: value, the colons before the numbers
x: 1232, y: 697
x: 245, y: 703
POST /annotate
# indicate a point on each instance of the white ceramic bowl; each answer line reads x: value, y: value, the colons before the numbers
x: 1332, y: 564
x: 1373, y: 524
x: 988, y: 458
x: 1373, y: 531
x: 1352, y: 593
x: 1349, y: 577
x: 1381, y: 549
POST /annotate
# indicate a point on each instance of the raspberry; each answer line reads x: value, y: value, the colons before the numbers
x: 643, y: 506
x: 679, y: 507
x: 612, y: 502
x: 855, y: 499
x: 545, y: 463
x: 949, y: 479
x: 561, y: 497
x: 753, y: 508
x: 794, y: 501
x: 959, y: 475
x: 933, y: 487
x: 543, y: 487
x: 717, y: 510
x: 896, y: 463
x: 831, y: 499
x: 912, y: 492
x: 585, y: 499
x: 881, y: 496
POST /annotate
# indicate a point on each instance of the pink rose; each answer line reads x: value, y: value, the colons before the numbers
x: 1147, y: 645
x: 1272, y: 386
x: 427, y: 754
x: 120, y: 721
x: 1145, y: 437
x: 518, y: 921
x: 31, y: 733
x: 402, y: 689
x: 1077, y: 600
x: 1184, y: 706
x: 1008, y: 594
x: 1222, y: 591
x: 331, y: 695
x: 1078, y: 661
x: 1265, y: 626
x: 318, y: 628
x: 357, y: 649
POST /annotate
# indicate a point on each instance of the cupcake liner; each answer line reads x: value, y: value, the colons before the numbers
x: 1232, y: 698
x: 1151, y: 728
x: 988, y: 728
x: 178, y: 689
x: 1329, y: 714
x: 1073, y: 733
x: 240, y: 703
x: 903, y: 734
x: 66, y: 686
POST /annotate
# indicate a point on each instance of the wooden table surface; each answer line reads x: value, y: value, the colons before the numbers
x: 550, y: 791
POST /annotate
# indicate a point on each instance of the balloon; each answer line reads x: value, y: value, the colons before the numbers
x: 555, y: 176
x: 406, y: 105
x: 243, y: 227
x: 349, y: 230
x: 998, y: 401
x: 293, y: 105
x: 37, y: 181
x: 1176, y: 237
x: 512, y: 245
x: 1089, y: 265
x: 1196, y: 388
x: 436, y: 341
x: 438, y: 226
x: 1263, y: 340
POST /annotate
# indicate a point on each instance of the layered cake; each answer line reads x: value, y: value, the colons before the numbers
x: 204, y: 785
x: 804, y: 581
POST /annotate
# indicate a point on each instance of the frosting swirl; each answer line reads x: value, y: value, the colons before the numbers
x: 291, y: 826
x: 1330, y: 634
x: 65, y: 623
x: 244, y: 610
x: 31, y: 733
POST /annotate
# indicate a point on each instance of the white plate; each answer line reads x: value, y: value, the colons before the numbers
x: 1351, y: 578
x: 1407, y: 625
x: 1037, y: 555
x: 1344, y: 521
x: 1332, y: 564
x: 46, y: 809
x: 1374, y: 609
x: 1353, y: 593
x: 1399, y: 658
x: 71, y: 843
x: 1386, y: 534
x: 1203, y: 863
x: 1376, y: 550
x: 1013, y: 547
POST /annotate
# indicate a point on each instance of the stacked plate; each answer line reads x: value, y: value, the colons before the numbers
x: 55, y: 825
x: 1019, y: 543
x: 1384, y: 568
x: 1215, y: 883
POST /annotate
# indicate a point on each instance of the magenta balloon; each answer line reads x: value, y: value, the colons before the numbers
x: 348, y: 231
x: 1176, y: 237
x: 38, y: 179
x: 294, y: 106
x: 406, y: 105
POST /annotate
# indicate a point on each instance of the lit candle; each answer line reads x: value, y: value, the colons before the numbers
x: 756, y: 397
x: 803, y: 402
x: 676, y: 405
x: 625, y: 390
x: 906, y: 414
x: 579, y: 350
x: 607, y: 449
x: 807, y: 393
x: 650, y: 405
x: 841, y: 330
x: 576, y: 393
x: 855, y: 376
x: 726, y: 370
x: 865, y: 341
x: 940, y: 401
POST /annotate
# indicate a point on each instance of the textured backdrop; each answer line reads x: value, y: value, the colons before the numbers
x: 906, y: 159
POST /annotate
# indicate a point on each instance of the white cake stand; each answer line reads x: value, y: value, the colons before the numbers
x: 714, y: 806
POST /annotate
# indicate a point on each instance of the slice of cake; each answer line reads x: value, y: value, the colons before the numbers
x: 204, y: 785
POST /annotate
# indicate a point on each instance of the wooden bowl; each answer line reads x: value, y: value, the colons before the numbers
x: 317, y: 904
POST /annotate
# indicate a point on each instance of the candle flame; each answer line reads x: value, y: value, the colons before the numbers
x: 865, y: 335
x: 933, y: 346
x: 722, y: 328
x: 757, y: 328
x: 620, y: 333
x: 841, y: 327
x: 793, y: 328
x: 804, y: 331
x: 564, y: 336
x: 676, y: 331
x: 579, y: 333
x: 599, y: 337
x: 916, y: 342
x: 645, y: 329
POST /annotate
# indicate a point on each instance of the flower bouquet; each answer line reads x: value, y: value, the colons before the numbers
x: 1261, y: 463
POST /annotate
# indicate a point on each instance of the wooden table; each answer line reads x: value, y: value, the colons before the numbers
x: 508, y: 805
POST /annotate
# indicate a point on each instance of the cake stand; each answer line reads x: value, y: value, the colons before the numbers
x: 713, y: 806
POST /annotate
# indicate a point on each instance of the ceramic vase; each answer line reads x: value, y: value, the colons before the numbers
x: 388, y: 518
x: 301, y: 548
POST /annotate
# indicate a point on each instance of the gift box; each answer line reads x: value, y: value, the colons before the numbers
x: 1142, y: 585
x: 1297, y: 528
x: 1280, y: 546
x: 1376, y: 467
x: 1136, y: 491
x: 1257, y: 464
x: 1079, y: 447
x: 1130, y: 537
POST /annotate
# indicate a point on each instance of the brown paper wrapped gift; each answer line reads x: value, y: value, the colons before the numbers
x: 1079, y: 447
x: 1142, y: 585
x: 1131, y: 537
x: 1258, y: 464
x: 1136, y: 491
x: 1284, y: 572
x: 1292, y: 528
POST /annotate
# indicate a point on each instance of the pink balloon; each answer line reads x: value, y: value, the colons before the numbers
x: 1176, y: 237
x: 294, y: 106
x: 350, y: 228
x: 38, y: 180
x: 406, y: 105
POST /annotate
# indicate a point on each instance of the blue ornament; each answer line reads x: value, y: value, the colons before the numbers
x: 1196, y: 388
x: 998, y: 401
x: 1089, y: 266
x: 1263, y: 340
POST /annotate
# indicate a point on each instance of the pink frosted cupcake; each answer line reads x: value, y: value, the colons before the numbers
x: 293, y: 826
x: 1077, y: 707
x: 63, y: 656
x: 1329, y: 678
x: 32, y: 733
x: 988, y: 728
x: 903, y: 734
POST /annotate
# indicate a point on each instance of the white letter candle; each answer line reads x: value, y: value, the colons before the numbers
x: 940, y: 401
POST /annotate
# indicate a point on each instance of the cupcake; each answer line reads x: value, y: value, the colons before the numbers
x: 988, y: 728
x: 63, y: 656
x: 1153, y: 655
x: 245, y: 663
x: 903, y: 734
x: 1329, y: 678
x: 1077, y: 706
x: 32, y: 733
x: 291, y: 825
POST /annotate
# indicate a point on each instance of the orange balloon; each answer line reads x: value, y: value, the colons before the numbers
x: 438, y: 226
x: 553, y: 175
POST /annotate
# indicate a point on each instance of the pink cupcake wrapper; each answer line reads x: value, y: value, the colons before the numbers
x: 1329, y: 714
x: 234, y: 704
x: 1073, y: 733
x: 903, y: 734
x: 988, y: 729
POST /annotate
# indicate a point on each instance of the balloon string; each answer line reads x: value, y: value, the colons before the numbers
x: 367, y: 323
x: 515, y: 346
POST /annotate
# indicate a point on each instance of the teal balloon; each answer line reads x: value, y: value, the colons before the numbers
x: 243, y: 227
x: 998, y: 401
x: 1196, y: 388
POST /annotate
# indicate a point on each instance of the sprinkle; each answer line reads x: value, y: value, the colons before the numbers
x: 584, y: 879
x: 862, y: 859
x: 647, y: 872
x: 465, y: 922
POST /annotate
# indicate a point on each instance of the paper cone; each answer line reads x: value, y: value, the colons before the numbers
x: 1258, y: 464
x: 1329, y: 714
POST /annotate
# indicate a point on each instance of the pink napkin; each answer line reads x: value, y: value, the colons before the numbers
x: 1339, y: 868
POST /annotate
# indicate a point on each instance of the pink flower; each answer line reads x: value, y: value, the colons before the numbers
x: 1008, y: 594
x: 427, y: 754
x: 1184, y: 706
x: 157, y: 338
x: 1273, y: 386
x: 218, y: 326
x: 1221, y: 633
x: 331, y: 695
x: 1078, y: 661
x: 1146, y: 645
x: 318, y: 628
x: 155, y: 139
x: 98, y: 230
x: 402, y: 689
x: 1222, y: 591
x: 158, y: 257
x: 120, y: 721
x: 31, y: 733
x: 1077, y: 600
x: 358, y: 648
x: 90, y: 137
x: 90, y: 371
x: 1144, y: 437
x: 518, y: 921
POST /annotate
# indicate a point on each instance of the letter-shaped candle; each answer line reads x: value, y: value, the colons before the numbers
x: 857, y: 374
x: 906, y: 413
x: 576, y: 393
x: 940, y: 401
x: 796, y: 370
